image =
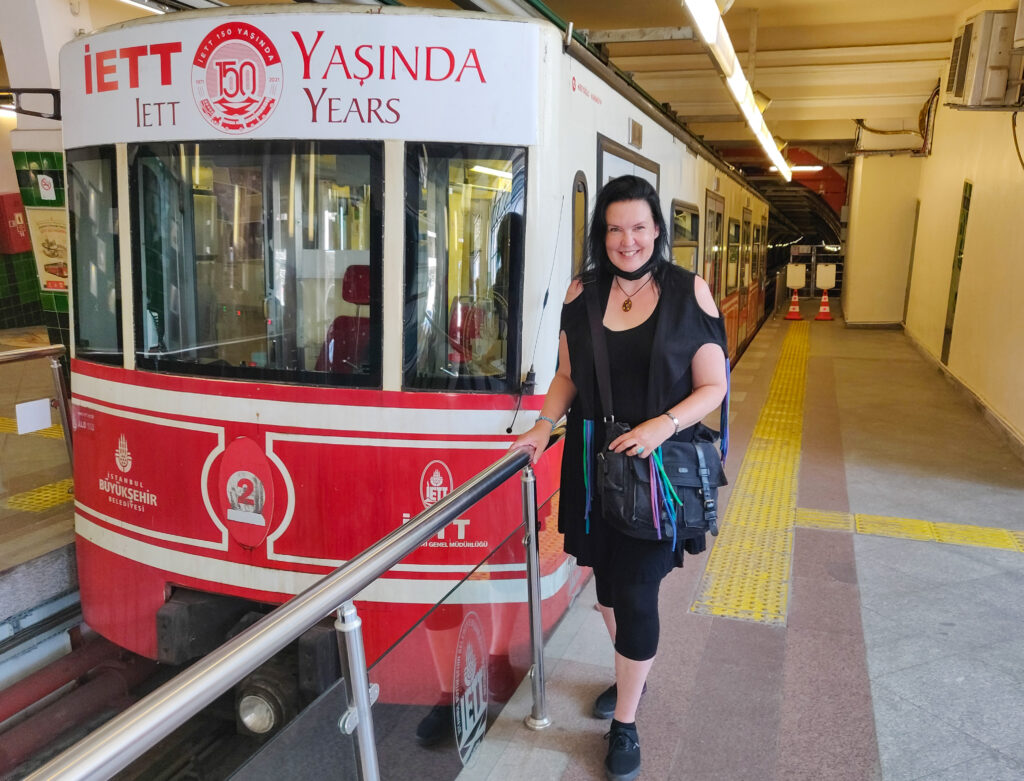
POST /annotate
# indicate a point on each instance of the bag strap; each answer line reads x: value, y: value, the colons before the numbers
x: 724, y: 416
x: 600, y: 343
x: 710, y: 504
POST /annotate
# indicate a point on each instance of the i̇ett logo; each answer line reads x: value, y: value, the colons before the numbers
x: 236, y: 77
x: 435, y: 483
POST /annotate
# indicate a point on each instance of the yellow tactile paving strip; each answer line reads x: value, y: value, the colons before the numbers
x: 824, y: 519
x: 10, y: 426
x: 748, y: 572
x: 913, y: 529
x: 43, y: 498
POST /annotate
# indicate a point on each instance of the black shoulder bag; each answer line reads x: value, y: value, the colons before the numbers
x: 682, y: 497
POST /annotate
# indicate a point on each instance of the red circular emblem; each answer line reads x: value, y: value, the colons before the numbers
x: 245, y: 484
x: 435, y: 482
x: 236, y: 77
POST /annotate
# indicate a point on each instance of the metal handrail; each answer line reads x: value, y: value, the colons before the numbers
x: 117, y: 743
x: 60, y: 385
x: 28, y: 353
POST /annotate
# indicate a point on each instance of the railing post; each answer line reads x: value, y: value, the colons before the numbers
x: 358, y: 718
x: 63, y: 405
x: 538, y: 718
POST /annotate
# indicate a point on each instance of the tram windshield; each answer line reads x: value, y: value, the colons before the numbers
x: 92, y: 209
x: 464, y: 266
x: 264, y: 260
x: 258, y: 260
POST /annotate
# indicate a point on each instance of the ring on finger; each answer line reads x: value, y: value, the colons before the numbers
x: 639, y: 449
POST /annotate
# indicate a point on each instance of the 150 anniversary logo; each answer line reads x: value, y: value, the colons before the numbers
x: 236, y: 77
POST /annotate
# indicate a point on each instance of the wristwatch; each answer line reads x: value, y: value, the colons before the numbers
x: 675, y: 421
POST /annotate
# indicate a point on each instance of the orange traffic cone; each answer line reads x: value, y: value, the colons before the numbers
x: 823, y: 311
x: 794, y: 308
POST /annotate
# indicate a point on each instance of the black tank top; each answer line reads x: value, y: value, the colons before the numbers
x: 629, y: 359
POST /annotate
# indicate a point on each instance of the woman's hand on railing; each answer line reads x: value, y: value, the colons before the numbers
x: 535, y: 439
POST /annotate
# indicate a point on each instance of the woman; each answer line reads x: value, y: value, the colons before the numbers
x: 666, y: 350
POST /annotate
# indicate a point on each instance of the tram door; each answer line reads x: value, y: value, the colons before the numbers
x: 757, y: 282
x: 714, y: 241
x: 745, y: 255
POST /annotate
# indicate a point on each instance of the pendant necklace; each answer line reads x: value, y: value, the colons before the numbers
x: 628, y: 303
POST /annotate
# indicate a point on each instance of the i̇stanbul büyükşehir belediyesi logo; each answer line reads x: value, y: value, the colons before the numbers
x: 236, y: 77
x: 123, y: 456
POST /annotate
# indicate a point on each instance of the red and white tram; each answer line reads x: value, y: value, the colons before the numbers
x: 312, y: 256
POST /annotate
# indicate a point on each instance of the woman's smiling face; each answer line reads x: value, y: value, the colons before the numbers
x: 630, y: 235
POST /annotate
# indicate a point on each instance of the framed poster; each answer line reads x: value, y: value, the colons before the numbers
x: 49, y: 230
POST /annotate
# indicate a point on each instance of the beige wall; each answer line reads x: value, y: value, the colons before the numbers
x: 987, y: 350
x: 883, y: 199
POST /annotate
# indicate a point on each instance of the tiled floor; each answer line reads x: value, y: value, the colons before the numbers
x: 900, y: 659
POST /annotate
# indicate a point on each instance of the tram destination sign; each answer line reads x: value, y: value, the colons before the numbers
x: 309, y: 75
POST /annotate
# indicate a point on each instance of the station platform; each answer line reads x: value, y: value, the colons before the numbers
x: 38, y: 576
x: 857, y: 619
x: 859, y: 616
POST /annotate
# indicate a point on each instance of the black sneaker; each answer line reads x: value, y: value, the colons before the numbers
x: 436, y: 725
x: 623, y: 760
x: 604, y: 705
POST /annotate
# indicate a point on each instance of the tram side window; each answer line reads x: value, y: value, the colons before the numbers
x: 95, y: 266
x: 260, y: 260
x: 685, y: 235
x: 732, y: 258
x: 464, y: 266
x: 579, y: 222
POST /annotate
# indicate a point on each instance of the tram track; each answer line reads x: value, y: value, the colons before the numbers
x: 206, y: 748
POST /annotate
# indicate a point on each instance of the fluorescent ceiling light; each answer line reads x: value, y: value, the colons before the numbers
x: 482, y: 169
x: 711, y: 29
x: 706, y: 16
x: 144, y: 7
x: 802, y: 168
x: 721, y: 48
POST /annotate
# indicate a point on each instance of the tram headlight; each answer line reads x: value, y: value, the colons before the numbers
x: 257, y: 713
x: 266, y: 701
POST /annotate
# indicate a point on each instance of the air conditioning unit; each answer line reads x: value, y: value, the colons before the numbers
x: 983, y: 69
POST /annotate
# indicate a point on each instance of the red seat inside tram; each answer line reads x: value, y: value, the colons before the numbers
x: 465, y: 325
x: 347, y: 345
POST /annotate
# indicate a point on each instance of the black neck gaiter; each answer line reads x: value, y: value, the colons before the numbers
x: 615, y: 271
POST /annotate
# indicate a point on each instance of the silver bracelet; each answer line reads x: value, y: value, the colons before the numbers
x: 675, y: 421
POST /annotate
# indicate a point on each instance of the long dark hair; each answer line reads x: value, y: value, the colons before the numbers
x: 624, y: 188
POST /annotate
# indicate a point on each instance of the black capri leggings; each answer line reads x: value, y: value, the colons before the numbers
x: 636, y: 615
